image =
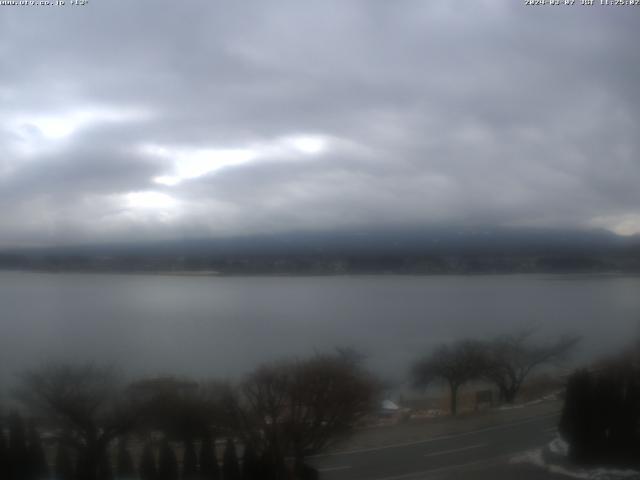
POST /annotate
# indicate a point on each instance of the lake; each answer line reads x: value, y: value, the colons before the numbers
x: 224, y: 326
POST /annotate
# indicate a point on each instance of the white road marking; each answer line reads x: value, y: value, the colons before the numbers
x: 455, y: 450
x: 421, y: 475
x: 435, y: 439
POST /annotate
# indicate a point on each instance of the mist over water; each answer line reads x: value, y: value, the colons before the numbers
x: 225, y: 326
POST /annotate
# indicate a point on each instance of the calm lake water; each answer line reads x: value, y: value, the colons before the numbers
x: 224, y: 326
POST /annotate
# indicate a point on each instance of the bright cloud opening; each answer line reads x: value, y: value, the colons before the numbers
x: 150, y: 200
x: 628, y: 224
x: 61, y: 125
x: 308, y: 144
x: 189, y: 163
x: 193, y: 163
x: 54, y: 128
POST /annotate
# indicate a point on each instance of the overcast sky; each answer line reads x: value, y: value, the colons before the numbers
x: 132, y: 119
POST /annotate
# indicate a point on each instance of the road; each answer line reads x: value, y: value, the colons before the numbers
x: 483, y: 452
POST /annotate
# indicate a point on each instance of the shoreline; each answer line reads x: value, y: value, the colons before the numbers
x: 219, y: 274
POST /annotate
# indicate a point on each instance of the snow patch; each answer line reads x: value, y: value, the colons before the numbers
x: 546, y: 398
x: 559, y: 449
x: 531, y: 457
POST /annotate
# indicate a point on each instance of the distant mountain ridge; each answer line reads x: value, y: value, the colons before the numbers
x: 397, y: 250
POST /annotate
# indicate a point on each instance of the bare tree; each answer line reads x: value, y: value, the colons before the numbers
x: 85, y: 403
x: 511, y: 358
x: 299, y: 408
x: 456, y: 364
x: 328, y: 395
x: 183, y: 409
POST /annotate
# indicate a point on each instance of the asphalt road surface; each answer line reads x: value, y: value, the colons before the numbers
x: 481, y: 453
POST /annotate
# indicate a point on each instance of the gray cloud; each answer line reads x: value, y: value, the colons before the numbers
x: 466, y: 112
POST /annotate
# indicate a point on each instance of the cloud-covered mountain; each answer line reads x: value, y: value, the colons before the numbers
x: 388, y: 250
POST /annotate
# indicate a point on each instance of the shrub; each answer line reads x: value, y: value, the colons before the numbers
x: 601, y: 416
x: 251, y: 468
x: 63, y: 464
x: 190, y: 461
x: 124, y: 461
x: 148, y: 468
x: 230, y: 467
x: 167, y: 464
x: 37, y: 461
x: 4, y: 467
x: 209, y: 469
x: 18, y: 455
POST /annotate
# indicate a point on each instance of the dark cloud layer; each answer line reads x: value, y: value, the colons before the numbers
x: 124, y: 119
